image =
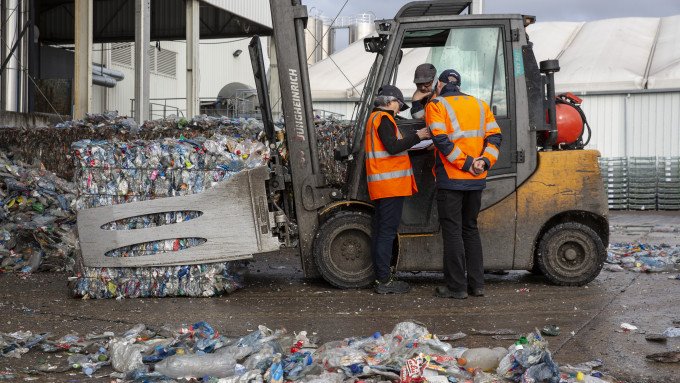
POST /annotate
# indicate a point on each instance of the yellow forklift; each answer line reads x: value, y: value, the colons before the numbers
x: 544, y: 208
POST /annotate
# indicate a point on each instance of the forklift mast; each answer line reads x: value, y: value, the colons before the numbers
x: 289, y: 19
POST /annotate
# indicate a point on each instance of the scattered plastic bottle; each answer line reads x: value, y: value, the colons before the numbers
x: 485, y: 359
x: 218, y: 364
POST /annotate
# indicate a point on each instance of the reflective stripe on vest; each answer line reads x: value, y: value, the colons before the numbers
x: 492, y: 125
x: 465, y: 134
x: 439, y: 125
x: 491, y: 151
x: 455, y: 153
x: 390, y: 175
x: 384, y: 154
x: 381, y: 154
x: 452, y: 115
x: 482, y: 116
x: 457, y: 131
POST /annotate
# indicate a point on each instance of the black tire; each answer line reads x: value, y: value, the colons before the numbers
x: 571, y: 254
x: 342, y: 250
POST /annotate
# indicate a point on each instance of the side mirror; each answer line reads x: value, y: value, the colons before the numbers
x: 374, y: 44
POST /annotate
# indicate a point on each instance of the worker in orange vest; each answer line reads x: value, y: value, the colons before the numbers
x: 390, y: 179
x: 467, y: 141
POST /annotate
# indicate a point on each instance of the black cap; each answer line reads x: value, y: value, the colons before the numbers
x: 450, y: 76
x: 425, y: 73
x: 391, y: 90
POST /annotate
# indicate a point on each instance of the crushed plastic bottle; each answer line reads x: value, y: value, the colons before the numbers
x: 219, y: 364
x: 641, y: 257
x: 671, y: 332
x: 485, y: 359
x: 125, y: 355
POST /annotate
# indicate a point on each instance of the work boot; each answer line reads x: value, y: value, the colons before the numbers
x: 391, y: 286
x: 478, y: 292
x: 445, y: 292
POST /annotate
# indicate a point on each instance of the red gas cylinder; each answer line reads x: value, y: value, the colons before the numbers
x: 569, y: 124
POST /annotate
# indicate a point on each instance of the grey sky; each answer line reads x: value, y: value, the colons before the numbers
x: 544, y: 10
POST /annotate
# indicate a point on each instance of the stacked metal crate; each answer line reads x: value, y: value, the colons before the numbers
x: 668, y: 187
x: 642, y: 183
x: 615, y: 177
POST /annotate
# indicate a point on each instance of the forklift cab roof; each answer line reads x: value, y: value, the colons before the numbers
x: 433, y: 8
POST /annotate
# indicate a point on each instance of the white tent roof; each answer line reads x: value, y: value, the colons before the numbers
x: 606, y: 55
x: 664, y: 71
x: 328, y: 82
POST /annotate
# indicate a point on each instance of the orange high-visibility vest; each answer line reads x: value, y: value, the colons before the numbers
x: 467, y: 122
x: 389, y: 175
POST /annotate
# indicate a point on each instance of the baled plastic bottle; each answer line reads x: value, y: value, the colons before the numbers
x: 485, y: 359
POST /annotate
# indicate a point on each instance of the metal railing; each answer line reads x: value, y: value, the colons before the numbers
x: 233, y: 107
x: 328, y: 114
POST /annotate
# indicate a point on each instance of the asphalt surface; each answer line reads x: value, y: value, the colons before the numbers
x: 278, y: 296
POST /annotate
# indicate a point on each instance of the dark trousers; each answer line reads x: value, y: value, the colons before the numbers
x: 458, y: 211
x: 386, y: 220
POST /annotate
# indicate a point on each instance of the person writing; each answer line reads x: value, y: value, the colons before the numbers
x: 390, y: 179
x: 467, y: 141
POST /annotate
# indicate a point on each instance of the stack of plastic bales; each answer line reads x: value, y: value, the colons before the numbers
x: 615, y: 177
x: 116, y: 172
x: 331, y: 135
x: 642, y: 183
x: 36, y: 218
x: 668, y: 188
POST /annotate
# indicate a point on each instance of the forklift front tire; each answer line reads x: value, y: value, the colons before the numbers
x: 571, y: 254
x: 342, y: 250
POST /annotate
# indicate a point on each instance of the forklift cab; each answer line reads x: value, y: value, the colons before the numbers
x: 487, y: 51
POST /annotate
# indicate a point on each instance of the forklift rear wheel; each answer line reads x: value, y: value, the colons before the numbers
x: 571, y: 254
x: 342, y: 250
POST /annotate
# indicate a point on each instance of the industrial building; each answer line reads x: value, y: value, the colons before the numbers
x: 225, y: 82
x: 215, y: 49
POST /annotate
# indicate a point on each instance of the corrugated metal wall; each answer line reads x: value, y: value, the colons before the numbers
x: 635, y: 125
x: 653, y: 125
x: 606, y: 116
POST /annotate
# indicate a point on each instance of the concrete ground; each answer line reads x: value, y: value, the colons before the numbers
x: 277, y: 296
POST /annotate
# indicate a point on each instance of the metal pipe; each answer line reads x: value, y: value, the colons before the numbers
x: 11, y: 29
x: 477, y: 7
x: 142, y: 38
x: 104, y: 71
x: 106, y: 81
x: 16, y: 45
x: 82, y: 72
x: 33, y: 57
